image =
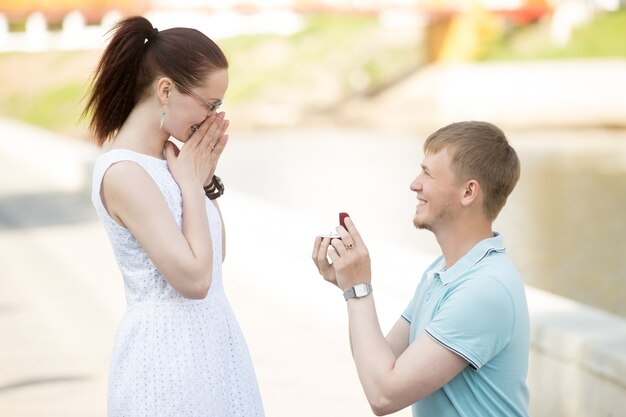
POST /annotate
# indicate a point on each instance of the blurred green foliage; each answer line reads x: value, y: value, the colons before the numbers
x: 311, y: 69
x: 604, y: 36
x: 333, y: 58
x: 55, y: 108
x: 321, y: 57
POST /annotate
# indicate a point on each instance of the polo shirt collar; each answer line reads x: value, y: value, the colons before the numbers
x: 471, y: 258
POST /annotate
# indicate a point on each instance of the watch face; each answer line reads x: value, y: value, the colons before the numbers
x: 360, y: 290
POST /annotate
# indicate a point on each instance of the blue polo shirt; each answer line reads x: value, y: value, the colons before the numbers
x: 477, y: 309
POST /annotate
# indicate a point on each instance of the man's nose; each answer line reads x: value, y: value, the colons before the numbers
x: 416, y: 184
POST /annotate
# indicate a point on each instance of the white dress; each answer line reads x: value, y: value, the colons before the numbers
x: 173, y: 356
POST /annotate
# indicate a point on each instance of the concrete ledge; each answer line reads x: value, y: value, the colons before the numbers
x: 513, y: 95
x: 578, y: 359
x: 562, y: 93
x: 66, y: 161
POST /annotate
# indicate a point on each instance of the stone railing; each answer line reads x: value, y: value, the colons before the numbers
x: 577, y: 360
x: 75, y: 34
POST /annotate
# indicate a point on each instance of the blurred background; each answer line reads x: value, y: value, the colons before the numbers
x: 330, y: 102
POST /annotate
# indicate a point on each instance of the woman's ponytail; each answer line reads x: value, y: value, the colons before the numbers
x: 115, y: 89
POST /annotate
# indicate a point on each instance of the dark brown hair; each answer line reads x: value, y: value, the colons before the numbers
x: 480, y: 151
x: 136, y: 55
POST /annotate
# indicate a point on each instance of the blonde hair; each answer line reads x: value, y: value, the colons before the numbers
x: 480, y: 151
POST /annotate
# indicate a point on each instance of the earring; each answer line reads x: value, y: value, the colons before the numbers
x: 162, y: 119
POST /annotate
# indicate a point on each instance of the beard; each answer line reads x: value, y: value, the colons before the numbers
x: 431, y: 224
x: 421, y: 224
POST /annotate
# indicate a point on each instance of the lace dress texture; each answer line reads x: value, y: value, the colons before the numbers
x: 173, y: 356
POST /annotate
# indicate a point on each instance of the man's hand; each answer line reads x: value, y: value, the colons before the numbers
x: 350, y: 259
x: 325, y: 268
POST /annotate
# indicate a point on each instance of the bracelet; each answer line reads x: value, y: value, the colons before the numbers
x: 215, y: 189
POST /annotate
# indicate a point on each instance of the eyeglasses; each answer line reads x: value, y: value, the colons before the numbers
x: 211, y: 107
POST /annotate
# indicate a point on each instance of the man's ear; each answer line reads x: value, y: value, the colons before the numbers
x: 471, y: 193
x: 164, y: 88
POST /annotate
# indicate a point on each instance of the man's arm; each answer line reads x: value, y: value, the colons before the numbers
x: 392, y: 383
x: 393, y: 373
x: 398, y: 337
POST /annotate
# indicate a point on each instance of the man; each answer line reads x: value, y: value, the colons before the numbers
x: 461, y: 346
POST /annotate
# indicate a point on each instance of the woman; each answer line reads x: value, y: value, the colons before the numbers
x: 179, y: 350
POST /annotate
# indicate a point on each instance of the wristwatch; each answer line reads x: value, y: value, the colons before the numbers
x: 358, y: 291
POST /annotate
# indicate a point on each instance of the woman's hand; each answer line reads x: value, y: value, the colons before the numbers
x: 194, y: 164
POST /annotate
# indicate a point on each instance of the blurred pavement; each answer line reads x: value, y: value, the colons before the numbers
x: 61, y: 295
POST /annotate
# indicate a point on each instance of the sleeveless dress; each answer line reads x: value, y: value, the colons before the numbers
x: 173, y: 356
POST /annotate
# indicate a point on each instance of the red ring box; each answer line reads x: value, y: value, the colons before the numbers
x: 335, y: 235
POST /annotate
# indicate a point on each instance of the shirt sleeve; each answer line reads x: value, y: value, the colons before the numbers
x: 476, y: 320
x: 408, y: 311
